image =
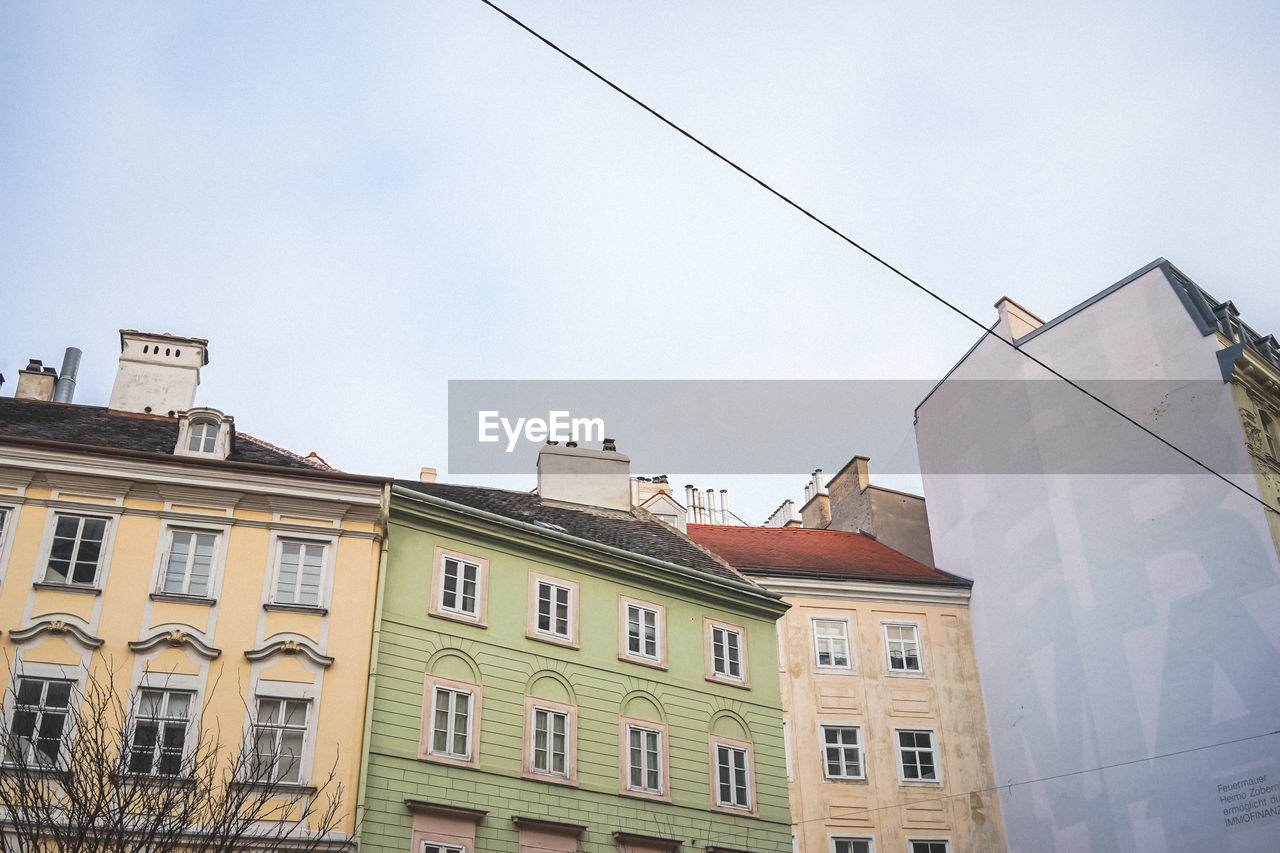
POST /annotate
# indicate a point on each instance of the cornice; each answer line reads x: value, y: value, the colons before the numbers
x: 57, y: 628
x: 292, y: 646
x: 174, y: 638
x: 875, y: 591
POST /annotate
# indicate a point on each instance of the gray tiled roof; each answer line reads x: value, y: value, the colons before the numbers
x: 99, y: 427
x: 636, y: 532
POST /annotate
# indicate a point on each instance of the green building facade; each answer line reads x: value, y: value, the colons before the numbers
x: 549, y: 677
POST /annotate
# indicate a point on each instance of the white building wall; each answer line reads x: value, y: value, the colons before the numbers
x: 1116, y: 616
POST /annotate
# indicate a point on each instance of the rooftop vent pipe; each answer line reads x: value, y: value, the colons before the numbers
x: 65, y: 388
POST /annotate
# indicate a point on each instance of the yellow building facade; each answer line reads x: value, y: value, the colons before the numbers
x: 887, y: 749
x: 224, y: 587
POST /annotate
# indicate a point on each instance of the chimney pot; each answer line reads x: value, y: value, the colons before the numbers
x: 609, y: 445
x: 427, y: 475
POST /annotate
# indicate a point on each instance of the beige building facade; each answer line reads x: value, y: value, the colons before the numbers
x: 887, y: 749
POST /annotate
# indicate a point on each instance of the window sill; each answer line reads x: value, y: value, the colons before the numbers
x: 845, y: 780
x: 731, y: 682
x: 287, y: 788
x: 178, y: 598
x: 446, y: 759
x: 645, y: 795
x: 296, y: 608
x: 920, y: 783
x: 834, y: 670
x: 551, y: 639
x: 77, y: 589
x: 652, y: 664
x: 562, y: 781
x: 460, y: 618
x: 896, y: 674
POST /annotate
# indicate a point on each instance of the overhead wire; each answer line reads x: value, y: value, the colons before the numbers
x: 797, y: 206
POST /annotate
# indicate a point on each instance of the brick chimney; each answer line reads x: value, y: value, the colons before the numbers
x: 158, y: 374
x: 36, y: 382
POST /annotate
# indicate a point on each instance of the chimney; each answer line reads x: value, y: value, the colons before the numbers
x: 427, y: 475
x: 580, y: 475
x: 724, y: 506
x: 851, y: 507
x: 158, y: 374
x: 816, y: 511
x: 65, y: 388
x: 36, y: 382
x: 1015, y: 321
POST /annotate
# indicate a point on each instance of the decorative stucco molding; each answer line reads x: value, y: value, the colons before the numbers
x: 57, y: 628
x: 174, y: 638
x: 290, y: 646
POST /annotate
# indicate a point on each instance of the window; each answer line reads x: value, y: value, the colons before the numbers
x: 726, y: 653
x: 903, y: 647
x: 160, y: 732
x: 851, y: 845
x: 642, y: 632
x: 553, y: 604
x: 460, y: 589
x: 77, y: 550
x: 929, y: 845
x: 915, y: 756
x: 203, y: 438
x: 39, y: 721
x: 299, y: 571
x: 786, y: 749
x: 549, y: 748
x: 841, y: 752
x: 279, y: 735
x: 644, y: 760
x: 432, y: 847
x: 188, y: 564
x: 733, y: 778
x: 831, y: 643
x: 1269, y: 434
x: 451, y: 723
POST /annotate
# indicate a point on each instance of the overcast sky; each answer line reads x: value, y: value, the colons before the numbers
x: 356, y: 203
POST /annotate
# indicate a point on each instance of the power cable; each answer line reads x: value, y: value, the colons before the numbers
x: 855, y: 244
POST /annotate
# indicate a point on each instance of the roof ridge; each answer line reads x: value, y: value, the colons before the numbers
x: 313, y: 460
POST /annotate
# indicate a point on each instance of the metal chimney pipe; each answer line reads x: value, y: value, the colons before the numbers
x: 690, y: 511
x: 711, y: 506
x: 724, y: 506
x: 65, y: 388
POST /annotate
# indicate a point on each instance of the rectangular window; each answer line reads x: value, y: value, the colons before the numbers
x: 460, y: 589
x: 550, y: 747
x: 160, y: 732
x: 831, y: 643
x: 279, y: 735
x: 644, y: 760
x: 299, y: 572
x: 554, y: 613
x: 40, y: 712
x: 432, y: 847
x: 903, y: 647
x: 77, y: 550
x: 732, y: 777
x: 851, y: 845
x: 842, y: 752
x: 726, y: 652
x: 451, y: 723
x: 188, y: 564
x: 642, y: 632
x: 915, y: 756
x: 930, y: 845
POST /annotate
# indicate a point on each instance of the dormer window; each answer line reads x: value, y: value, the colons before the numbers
x: 204, y: 432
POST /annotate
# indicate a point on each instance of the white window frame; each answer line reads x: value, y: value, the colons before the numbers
x: 934, y: 751
x: 8, y: 520
x: 858, y: 746
x: 912, y: 842
x: 165, y: 551
x: 641, y: 610
x: 555, y: 587
x: 203, y: 433
x: 1270, y: 432
x: 833, y: 842
x: 327, y: 546
x: 459, y: 591
x: 714, y: 670
x: 429, y: 846
x: 281, y: 727
x: 163, y: 722
x: 888, y: 649
x: 450, y: 732
x: 567, y: 755
x: 645, y: 770
x: 104, y: 554
x: 46, y: 673
x: 719, y: 748
x: 843, y: 637
x: 786, y: 750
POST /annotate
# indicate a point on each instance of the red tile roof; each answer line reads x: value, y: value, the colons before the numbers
x: 797, y: 551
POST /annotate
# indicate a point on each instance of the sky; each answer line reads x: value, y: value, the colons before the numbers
x: 357, y: 203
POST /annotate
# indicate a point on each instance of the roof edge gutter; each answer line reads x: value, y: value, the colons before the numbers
x: 577, y: 541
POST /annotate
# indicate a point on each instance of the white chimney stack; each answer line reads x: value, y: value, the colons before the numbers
x: 582, y: 476
x: 158, y: 374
